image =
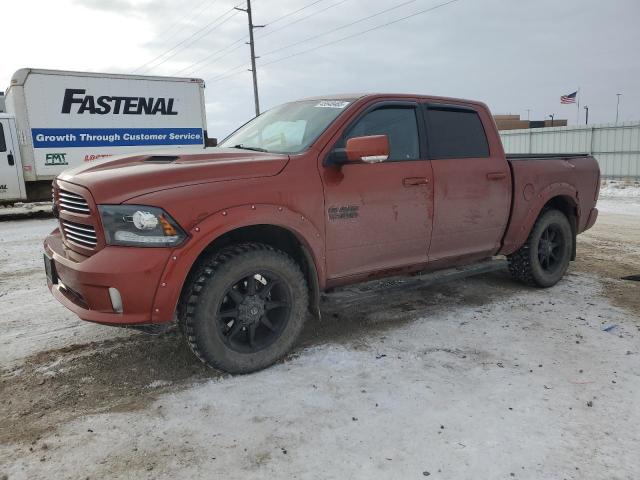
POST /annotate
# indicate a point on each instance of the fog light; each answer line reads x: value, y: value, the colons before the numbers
x: 116, y: 300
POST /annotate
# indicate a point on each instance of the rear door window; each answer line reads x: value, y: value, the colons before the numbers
x: 455, y: 133
x: 398, y: 123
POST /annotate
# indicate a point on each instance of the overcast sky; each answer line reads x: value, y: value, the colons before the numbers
x: 512, y: 54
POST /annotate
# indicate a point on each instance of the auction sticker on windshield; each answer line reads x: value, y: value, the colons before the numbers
x: 332, y: 104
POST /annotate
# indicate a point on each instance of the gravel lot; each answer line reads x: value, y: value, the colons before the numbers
x: 478, y: 378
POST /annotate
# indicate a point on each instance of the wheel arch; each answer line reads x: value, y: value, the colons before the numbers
x: 273, y: 225
x: 568, y: 206
x: 275, y: 236
x: 561, y: 196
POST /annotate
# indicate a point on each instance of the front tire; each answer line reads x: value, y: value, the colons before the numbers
x: 544, y: 258
x: 245, y: 308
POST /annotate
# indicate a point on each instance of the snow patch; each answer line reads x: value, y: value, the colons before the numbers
x: 620, y: 188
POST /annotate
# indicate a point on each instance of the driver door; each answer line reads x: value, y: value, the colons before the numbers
x: 379, y: 215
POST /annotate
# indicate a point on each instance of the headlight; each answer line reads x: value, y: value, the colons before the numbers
x: 139, y: 225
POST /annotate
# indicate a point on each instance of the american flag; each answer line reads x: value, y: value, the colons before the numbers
x: 571, y: 98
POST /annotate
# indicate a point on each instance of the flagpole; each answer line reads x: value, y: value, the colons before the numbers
x: 578, y: 104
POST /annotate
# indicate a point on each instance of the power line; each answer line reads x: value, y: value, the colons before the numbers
x: 286, y: 15
x: 189, y: 16
x: 208, y: 28
x: 205, y: 31
x: 209, y: 58
x: 177, y: 45
x: 214, y: 56
x: 229, y: 73
x: 420, y: 12
x: 346, y: 25
x: 313, y: 14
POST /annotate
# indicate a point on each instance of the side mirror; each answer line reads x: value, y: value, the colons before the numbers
x: 369, y: 149
x: 210, y: 142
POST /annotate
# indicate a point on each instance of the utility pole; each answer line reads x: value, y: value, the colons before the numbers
x: 251, y: 42
x: 586, y: 118
x: 552, y: 118
x: 528, y: 111
x: 618, y: 106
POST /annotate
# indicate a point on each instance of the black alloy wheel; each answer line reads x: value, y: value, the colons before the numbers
x: 551, y: 248
x: 254, y: 311
x: 544, y: 258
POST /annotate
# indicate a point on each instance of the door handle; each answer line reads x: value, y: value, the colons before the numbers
x: 496, y: 176
x: 10, y: 159
x: 411, y: 181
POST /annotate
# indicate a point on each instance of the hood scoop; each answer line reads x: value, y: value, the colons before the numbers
x: 161, y: 159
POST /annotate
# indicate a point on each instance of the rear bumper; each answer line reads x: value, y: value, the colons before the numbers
x: 593, y: 216
x: 82, y: 283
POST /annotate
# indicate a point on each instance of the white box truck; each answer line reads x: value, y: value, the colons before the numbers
x: 56, y: 120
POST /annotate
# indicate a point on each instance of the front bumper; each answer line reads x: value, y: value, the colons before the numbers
x: 82, y: 282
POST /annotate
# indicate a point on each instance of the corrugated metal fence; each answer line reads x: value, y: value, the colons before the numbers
x: 616, y: 147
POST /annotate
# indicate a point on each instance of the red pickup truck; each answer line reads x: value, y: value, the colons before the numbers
x: 237, y: 242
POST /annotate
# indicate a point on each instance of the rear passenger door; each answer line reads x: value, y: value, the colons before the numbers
x: 472, y: 184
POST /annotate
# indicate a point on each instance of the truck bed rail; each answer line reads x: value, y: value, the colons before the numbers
x: 544, y: 156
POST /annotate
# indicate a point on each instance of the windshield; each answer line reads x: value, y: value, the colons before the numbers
x: 288, y: 128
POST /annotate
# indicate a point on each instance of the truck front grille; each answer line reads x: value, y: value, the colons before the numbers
x: 72, y: 202
x: 80, y: 234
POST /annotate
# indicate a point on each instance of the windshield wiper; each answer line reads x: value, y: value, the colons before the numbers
x: 246, y: 147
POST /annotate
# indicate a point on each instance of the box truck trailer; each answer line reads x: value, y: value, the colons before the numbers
x: 55, y: 120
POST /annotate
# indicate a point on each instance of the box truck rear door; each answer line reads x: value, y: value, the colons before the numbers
x: 11, y: 185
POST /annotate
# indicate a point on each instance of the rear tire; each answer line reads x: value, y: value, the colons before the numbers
x: 245, y: 309
x: 544, y: 258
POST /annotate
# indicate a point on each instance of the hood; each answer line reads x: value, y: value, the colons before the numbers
x: 119, y: 178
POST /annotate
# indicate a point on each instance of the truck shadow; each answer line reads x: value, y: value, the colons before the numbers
x: 55, y: 386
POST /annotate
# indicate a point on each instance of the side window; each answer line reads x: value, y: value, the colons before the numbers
x: 3, y: 145
x: 398, y: 123
x: 455, y: 134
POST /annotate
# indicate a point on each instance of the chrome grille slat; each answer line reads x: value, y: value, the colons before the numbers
x: 71, y: 208
x: 73, y: 202
x: 81, y: 241
x: 77, y: 227
x: 64, y: 193
x: 83, y: 235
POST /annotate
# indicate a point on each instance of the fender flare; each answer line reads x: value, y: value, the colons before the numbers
x: 518, y: 234
x: 219, y: 223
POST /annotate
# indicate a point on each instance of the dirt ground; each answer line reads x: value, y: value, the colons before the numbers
x: 477, y: 378
x: 611, y: 249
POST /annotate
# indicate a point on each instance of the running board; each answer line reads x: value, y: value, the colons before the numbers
x: 449, y: 274
x: 357, y: 293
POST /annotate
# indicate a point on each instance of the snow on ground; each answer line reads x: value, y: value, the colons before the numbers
x: 620, y: 188
x: 480, y: 378
x: 30, y: 319
x: 620, y: 206
x: 22, y: 210
x: 528, y: 384
x: 621, y: 197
